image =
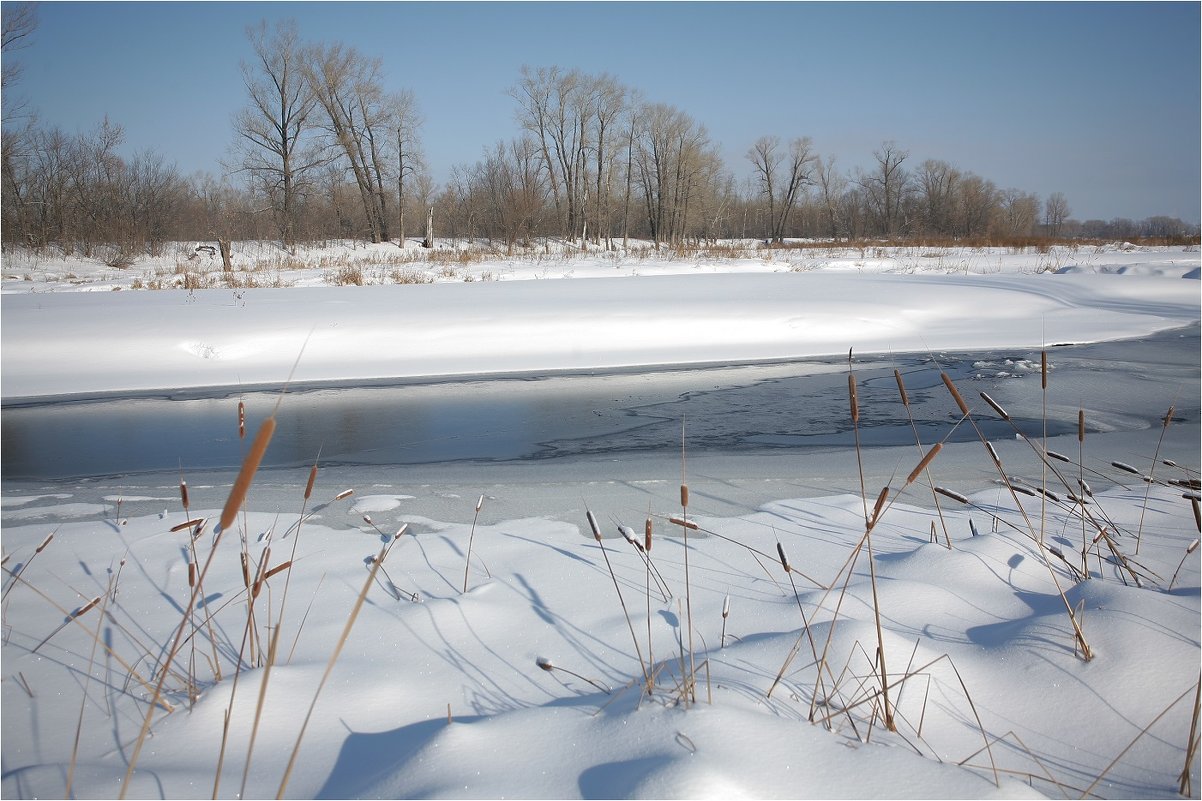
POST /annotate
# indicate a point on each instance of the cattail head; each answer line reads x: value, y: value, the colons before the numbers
x: 853, y: 399
x: 1168, y: 416
x: 784, y: 561
x: 344, y: 494
x: 277, y: 569
x: 367, y: 520
x: 241, y: 420
x: 196, y: 521
x: 1043, y: 369
x: 647, y: 536
x: 45, y: 542
x: 992, y: 453
x: 726, y: 605
x: 544, y: 663
x: 1085, y: 487
x: 592, y: 522
x: 249, y: 466
x: 1060, y: 457
x: 309, y: 483
x: 1080, y: 425
x: 901, y: 388
x: 880, y: 503
x: 627, y: 534
x: 183, y: 493
x: 947, y: 382
x: 1126, y: 468
x: 83, y: 610
x: 479, y: 504
x: 1193, y: 546
x: 995, y: 406
x: 955, y: 496
x: 926, y: 461
x: 684, y: 495
x: 400, y: 532
x: 191, y: 574
x: 683, y: 523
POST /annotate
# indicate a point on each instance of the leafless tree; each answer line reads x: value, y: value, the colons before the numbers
x: 885, y: 187
x: 1055, y: 212
x: 273, y: 131
x: 782, y: 187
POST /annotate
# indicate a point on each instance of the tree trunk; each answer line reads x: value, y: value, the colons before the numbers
x: 429, y: 241
x: 224, y: 245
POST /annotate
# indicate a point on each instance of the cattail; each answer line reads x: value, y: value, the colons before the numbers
x: 955, y: 496
x: 1060, y: 457
x: 309, y: 483
x: 367, y: 520
x: 1168, y: 416
x: 479, y: 504
x: 1043, y: 369
x: 689, y: 524
x: 627, y: 534
x: 1047, y: 493
x: 726, y: 600
x: 1193, y: 546
x: 926, y: 460
x: 853, y: 398
x: 592, y: 522
x: 995, y: 406
x: 245, y: 571
x: 684, y: 496
x: 400, y: 532
x: 277, y: 569
x: 1080, y: 425
x: 188, y: 524
x: 183, y: 493
x: 1197, y: 512
x: 249, y: 465
x: 784, y: 562
x: 1168, y: 462
x: 86, y: 608
x: 992, y: 453
x: 45, y: 542
x: 947, y: 381
x: 647, y: 535
x: 971, y: 527
x: 1125, y: 468
x: 344, y: 494
x: 241, y: 420
x: 880, y: 502
x: 544, y: 663
x: 1085, y: 487
x: 1056, y: 552
x: 260, y: 578
x: 1021, y: 489
x: 191, y: 574
x: 901, y: 388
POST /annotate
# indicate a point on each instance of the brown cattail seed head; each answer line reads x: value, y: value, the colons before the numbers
x: 901, y: 388
x: 249, y: 466
x: 726, y: 605
x: 955, y: 496
x: 784, y: 562
x: 367, y: 520
x: 1043, y: 369
x: 544, y: 663
x: 191, y: 574
x: 45, y: 542
x: 344, y: 494
x: 1080, y: 425
x: 926, y: 461
x: 241, y: 420
x: 592, y: 522
x: 1168, y: 416
x: 995, y: 406
x: 947, y: 381
x: 647, y: 536
x: 309, y: 483
x: 684, y: 495
x: 183, y: 493
x: 1193, y: 546
x: 479, y: 503
x: 853, y: 399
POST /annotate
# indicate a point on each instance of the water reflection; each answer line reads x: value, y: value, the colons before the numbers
x: 781, y: 406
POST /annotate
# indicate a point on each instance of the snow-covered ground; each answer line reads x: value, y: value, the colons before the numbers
x: 568, y: 667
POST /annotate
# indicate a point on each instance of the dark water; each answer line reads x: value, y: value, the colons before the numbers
x: 800, y: 405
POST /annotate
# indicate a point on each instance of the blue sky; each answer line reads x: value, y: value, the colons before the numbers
x: 1096, y: 100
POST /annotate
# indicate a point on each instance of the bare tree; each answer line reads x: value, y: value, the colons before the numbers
x: 938, y: 183
x: 18, y: 21
x: 782, y: 188
x: 405, y: 120
x: 1055, y: 212
x: 272, y: 145
x: 1019, y: 213
x: 348, y: 89
x: 885, y: 187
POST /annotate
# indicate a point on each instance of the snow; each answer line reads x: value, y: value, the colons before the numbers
x: 438, y: 692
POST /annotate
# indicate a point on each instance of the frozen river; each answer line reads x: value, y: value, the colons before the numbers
x: 800, y: 405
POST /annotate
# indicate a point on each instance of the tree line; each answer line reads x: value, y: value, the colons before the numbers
x: 321, y: 150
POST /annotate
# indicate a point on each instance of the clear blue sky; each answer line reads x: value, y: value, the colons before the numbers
x: 1096, y: 100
